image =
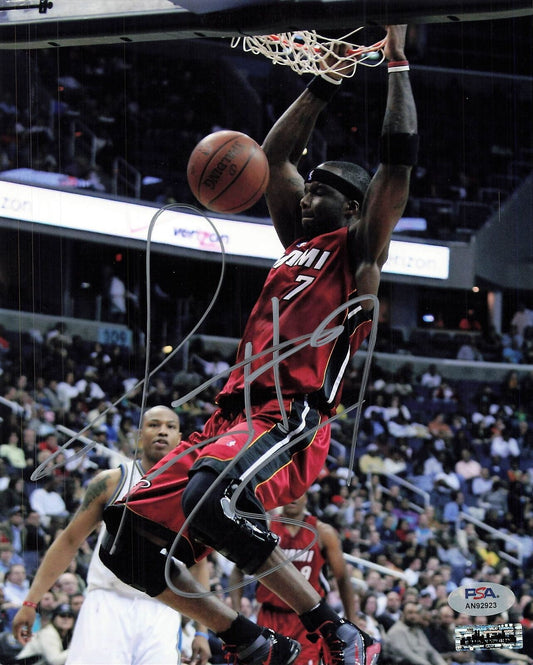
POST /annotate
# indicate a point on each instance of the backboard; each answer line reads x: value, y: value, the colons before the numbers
x: 54, y: 23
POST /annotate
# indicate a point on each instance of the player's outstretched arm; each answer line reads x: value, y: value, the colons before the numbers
x: 388, y: 192
x: 64, y: 548
x: 332, y: 549
x: 284, y: 146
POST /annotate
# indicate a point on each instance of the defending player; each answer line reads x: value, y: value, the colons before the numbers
x: 336, y: 227
x: 323, y: 557
x: 116, y: 624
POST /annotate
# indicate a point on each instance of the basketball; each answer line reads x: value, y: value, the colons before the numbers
x: 227, y: 172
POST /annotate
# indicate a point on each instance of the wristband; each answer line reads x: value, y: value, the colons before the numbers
x: 398, y: 66
x: 399, y: 149
x: 323, y: 88
x: 199, y: 633
x: 29, y: 603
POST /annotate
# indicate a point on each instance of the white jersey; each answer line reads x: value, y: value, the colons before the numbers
x: 117, y: 624
x: 99, y: 576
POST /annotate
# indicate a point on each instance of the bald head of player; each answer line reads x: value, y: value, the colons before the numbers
x: 160, y: 433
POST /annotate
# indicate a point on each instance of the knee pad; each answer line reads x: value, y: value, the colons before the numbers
x: 245, y: 541
x: 132, y: 557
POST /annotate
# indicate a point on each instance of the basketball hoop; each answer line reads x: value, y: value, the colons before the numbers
x: 307, y: 52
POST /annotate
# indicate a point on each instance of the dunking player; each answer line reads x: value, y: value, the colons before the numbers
x: 336, y: 227
x: 116, y: 624
x: 324, y: 556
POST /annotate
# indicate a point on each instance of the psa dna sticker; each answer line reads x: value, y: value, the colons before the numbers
x: 483, y: 599
x: 508, y: 635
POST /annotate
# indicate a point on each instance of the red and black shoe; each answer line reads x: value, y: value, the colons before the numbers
x: 344, y: 644
x: 269, y: 648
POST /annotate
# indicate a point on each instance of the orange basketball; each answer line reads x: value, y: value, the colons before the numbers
x: 227, y: 171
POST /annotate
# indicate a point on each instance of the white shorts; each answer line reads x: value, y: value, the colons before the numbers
x: 114, y: 629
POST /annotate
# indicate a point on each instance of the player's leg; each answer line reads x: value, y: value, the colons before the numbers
x: 244, y: 641
x: 134, y: 553
x: 342, y: 642
x: 249, y: 544
x: 110, y: 614
x: 246, y: 540
x: 242, y: 474
x: 157, y: 629
x: 288, y: 623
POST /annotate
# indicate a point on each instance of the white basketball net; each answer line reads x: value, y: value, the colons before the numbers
x: 307, y: 52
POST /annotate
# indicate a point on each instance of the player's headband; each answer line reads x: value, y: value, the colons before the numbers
x: 337, y: 182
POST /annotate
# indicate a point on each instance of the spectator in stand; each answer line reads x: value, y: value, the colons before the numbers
x: 34, y: 542
x: 412, y: 570
x: 371, y: 460
x: 469, y: 352
x: 467, y: 467
x: 525, y: 436
x: 16, y: 587
x: 505, y: 446
x: 45, y: 612
x: 213, y: 366
x: 512, y: 349
x: 116, y: 296
x: 441, y: 636
x: 395, y: 408
x: 495, y: 499
x: 387, y: 529
x: 58, y: 332
x: 47, y: 501
x: 95, y: 415
x: 5, y: 345
x: 392, y: 612
x: 510, y: 391
x: 444, y: 393
x: 99, y: 358
x: 426, y: 600
x: 440, y: 428
x: 445, y: 484
x: 51, y: 642
x: 527, y: 346
x: 491, y: 345
x: 76, y: 601
x: 369, y: 606
x: 469, y: 321
x: 395, y: 462
x: 67, y: 391
x: 407, y: 643
x: 482, y: 485
x: 12, y: 452
x: 158, y: 393
x: 522, y: 318
x: 451, y: 513
x: 14, y: 495
x: 8, y: 558
x: 482, y: 421
x: 431, y: 377
x: 11, y: 530
x: 423, y: 531
x: 68, y: 584
x: 88, y: 388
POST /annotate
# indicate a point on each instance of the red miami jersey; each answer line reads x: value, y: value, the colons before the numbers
x: 310, y: 564
x: 302, y: 301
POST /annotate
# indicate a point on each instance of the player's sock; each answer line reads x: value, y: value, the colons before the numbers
x: 242, y: 631
x: 247, y: 643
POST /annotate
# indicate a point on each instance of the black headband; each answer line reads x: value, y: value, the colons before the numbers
x: 337, y: 182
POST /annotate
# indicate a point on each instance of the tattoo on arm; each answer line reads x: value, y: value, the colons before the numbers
x: 94, y: 490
